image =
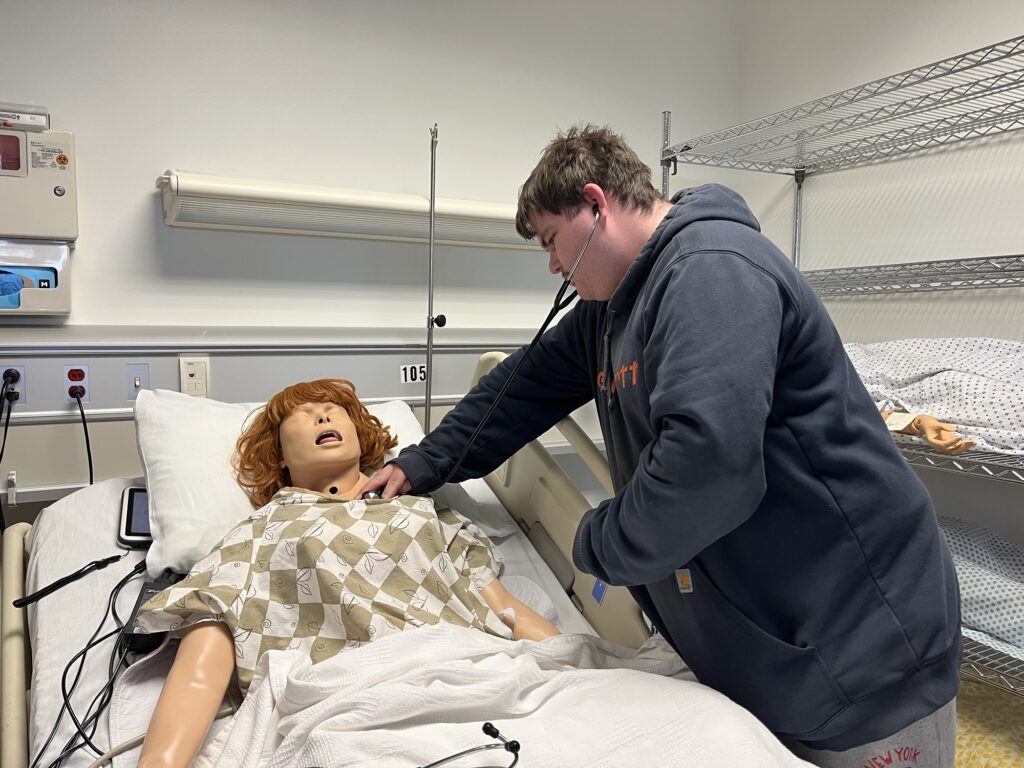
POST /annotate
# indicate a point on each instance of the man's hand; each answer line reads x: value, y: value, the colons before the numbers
x: 392, y: 479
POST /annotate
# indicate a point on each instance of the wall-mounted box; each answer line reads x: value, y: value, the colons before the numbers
x: 38, y: 189
x: 38, y: 219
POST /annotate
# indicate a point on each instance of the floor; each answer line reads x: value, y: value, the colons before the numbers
x: 990, y: 727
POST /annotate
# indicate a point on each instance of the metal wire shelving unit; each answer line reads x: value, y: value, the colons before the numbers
x: 972, y: 96
x: 920, y: 276
x: 991, y: 666
x: 976, y: 95
x: 993, y: 466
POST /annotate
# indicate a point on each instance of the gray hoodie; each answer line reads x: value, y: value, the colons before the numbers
x: 763, y: 517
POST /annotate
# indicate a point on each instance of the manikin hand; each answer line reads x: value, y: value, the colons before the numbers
x: 392, y: 479
x: 940, y: 435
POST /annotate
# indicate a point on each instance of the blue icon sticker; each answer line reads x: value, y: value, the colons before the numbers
x: 598, y: 591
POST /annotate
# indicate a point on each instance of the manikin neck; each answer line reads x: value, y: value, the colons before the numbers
x: 344, y: 485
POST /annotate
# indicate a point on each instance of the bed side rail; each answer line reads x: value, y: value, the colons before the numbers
x: 548, y: 507
x: 13, y: 651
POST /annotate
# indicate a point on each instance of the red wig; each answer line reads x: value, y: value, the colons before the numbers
x: 258, y: 455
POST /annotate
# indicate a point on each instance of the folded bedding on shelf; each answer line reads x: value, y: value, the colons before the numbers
x: 991, y: 574
x: 975, y: 383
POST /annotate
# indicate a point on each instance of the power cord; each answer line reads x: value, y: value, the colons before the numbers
x: 11, y: 377
x: 77, y: 392
x: 89, y: 644
x: 102, y: 699
x: 8, y: 396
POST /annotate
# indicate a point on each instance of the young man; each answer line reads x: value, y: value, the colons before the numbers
x: 764, y: 519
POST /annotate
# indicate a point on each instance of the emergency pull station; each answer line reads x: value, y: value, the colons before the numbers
x: 38, y: 213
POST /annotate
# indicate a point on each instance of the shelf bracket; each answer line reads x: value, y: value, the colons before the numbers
x: 666, y: 134
x: 798, y: 206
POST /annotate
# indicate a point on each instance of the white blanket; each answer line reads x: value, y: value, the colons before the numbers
x: 414, y: 697
x: 975, y: 383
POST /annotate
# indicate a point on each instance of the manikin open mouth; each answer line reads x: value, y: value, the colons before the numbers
x: 330, y: 435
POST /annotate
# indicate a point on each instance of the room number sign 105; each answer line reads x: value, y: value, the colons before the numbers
x: 413, y: 374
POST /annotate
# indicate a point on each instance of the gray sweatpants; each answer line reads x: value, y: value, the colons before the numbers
x: 928, y: 743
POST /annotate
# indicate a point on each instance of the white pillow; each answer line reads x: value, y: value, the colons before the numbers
x: 186, y: 444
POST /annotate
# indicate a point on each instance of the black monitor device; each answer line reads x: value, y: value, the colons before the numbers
x: 131, y: 638
x: 133, y: 531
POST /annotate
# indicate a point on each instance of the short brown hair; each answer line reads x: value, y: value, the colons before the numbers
x: 584, y: 155
x: 258, y: 455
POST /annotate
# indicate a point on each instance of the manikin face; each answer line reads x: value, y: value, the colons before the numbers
x: 562, y: 237
x: 319, y: 437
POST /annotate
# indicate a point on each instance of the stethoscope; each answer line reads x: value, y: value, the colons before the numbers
x: 490, y: 730
x: 560, y: 303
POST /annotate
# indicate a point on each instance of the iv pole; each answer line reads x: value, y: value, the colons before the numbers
x: 431, y: 320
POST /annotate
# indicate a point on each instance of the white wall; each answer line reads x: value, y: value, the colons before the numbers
x: 343, y: 92
x: 950, y: 204
x: 340, y: 93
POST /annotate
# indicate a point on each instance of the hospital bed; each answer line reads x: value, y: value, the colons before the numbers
x: 531, y: 488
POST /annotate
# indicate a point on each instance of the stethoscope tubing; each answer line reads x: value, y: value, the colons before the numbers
x: 558, y: 305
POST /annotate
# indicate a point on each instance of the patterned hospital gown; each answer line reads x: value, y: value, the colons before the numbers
x: 323, y: 575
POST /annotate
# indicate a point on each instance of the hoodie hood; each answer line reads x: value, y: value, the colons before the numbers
x: 709, y: 202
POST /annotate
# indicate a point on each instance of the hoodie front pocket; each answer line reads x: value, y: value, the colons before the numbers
x: 788, y: 687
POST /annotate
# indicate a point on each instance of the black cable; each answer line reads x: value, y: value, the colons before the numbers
x: 10, y: 407
x: 66, y: 693
x: 101, y: 699
x: 60, y: 715
x: 3, y: 446
x: 90, y: 719
x: 106, y: 691
x: 85, y: 427
x: 74, y: 684
x: 62, y: 582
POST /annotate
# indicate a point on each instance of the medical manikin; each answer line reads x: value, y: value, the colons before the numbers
x: 301, y: 461
x: 939, y: 435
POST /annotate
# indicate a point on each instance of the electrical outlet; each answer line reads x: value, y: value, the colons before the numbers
x: 195, y: 375
x: 76, y: 376
x: 136, y: 379
x: 20, y: 385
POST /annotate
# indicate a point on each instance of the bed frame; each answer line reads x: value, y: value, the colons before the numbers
x: 533, y: 487
x: 548, y: 507
x: 14, y: 651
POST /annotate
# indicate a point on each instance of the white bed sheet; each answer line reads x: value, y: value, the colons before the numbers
x: 83, y: 527
x: 410, y: 698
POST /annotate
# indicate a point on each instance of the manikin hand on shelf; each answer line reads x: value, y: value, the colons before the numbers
x: 272, y: 456
x: 940, y: 435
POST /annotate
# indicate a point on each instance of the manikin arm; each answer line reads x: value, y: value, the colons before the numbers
x: 938, y: 434
x: 191, y: 696
x: 526, y: 623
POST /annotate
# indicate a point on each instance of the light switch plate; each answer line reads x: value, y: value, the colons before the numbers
x: 136, y: 379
